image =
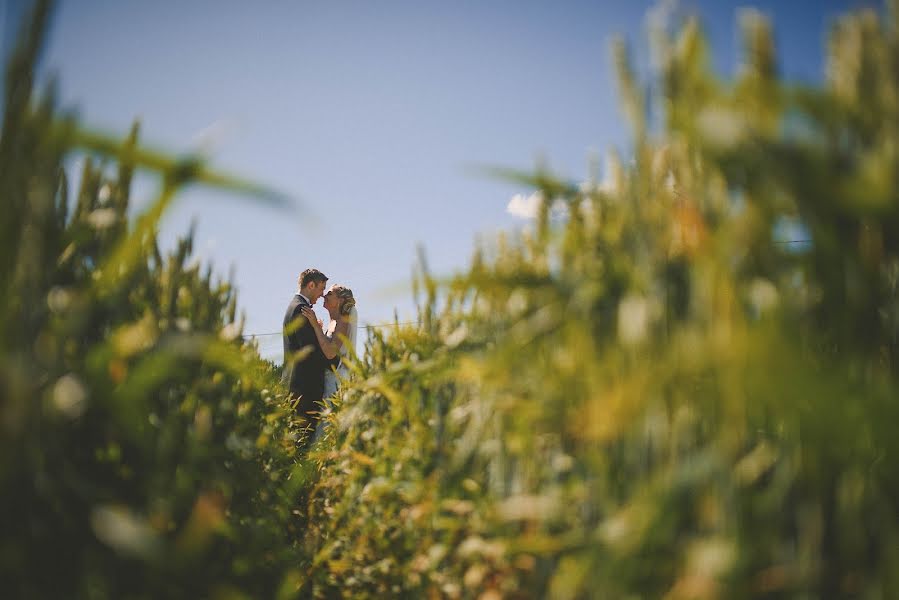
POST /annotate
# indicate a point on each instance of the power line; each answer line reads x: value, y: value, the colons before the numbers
x: 373, y: 326
x: 377, y: 325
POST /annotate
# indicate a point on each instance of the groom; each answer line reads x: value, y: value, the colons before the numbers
x: 304, y: 361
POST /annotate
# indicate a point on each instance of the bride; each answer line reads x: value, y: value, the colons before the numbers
x: 341, y: 333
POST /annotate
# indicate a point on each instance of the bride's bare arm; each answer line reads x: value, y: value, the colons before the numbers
x: 336, y: 341
x: 330, y: 348
x: 342, y: 329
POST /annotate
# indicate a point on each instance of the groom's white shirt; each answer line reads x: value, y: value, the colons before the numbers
x: 304, y: 298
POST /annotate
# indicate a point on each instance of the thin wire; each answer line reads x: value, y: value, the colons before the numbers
x: 377, y: 325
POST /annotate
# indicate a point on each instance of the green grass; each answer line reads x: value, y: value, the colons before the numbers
x: 652, y: 396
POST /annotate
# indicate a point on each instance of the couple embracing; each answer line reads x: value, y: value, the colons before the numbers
x: 313, y: 356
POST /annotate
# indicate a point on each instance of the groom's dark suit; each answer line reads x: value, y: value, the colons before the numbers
x: 305, y: 378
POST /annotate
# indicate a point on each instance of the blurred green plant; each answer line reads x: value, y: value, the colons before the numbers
x: 145, y: 450
x: 652, y: 393
x: 655, y: 394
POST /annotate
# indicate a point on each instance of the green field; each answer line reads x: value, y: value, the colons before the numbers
x: 651, y: 393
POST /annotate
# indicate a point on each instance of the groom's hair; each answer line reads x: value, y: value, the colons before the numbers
x: 311, y: 275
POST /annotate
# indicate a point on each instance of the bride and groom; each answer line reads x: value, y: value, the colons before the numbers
x: 313, y: 356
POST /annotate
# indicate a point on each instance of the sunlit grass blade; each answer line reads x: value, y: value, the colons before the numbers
x: 133, y: 247
x: 553, y: 186
x: 177, y: 170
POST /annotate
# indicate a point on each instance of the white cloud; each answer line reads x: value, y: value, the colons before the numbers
x: 524, y: 207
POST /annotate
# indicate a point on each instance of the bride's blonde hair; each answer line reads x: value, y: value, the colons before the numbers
x: 347, y: 302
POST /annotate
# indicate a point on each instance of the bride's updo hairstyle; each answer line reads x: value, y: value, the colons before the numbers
x: 347, y: 302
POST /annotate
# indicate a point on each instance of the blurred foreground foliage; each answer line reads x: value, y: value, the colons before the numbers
x: 681, y: 383
x: 144, y: 451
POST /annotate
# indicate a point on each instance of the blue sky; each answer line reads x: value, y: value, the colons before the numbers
x: 370, y: 114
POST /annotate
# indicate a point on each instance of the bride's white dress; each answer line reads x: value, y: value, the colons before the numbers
x: 331, y: 378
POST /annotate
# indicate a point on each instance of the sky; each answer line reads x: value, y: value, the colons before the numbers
x: 372, y: 117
